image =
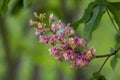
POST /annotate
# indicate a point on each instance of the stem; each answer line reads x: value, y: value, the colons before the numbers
x: 112, y: 21
x: 108, y: 55
x: 102, y: 65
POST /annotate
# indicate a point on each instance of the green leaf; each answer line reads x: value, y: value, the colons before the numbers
x: 4, y: 6
x: 101, y: 77
x: 97, y: 77
x: 112, y: 50
x: 27, y: 3
x: 93, y: 22
x: 115, y: 4
x: 91, y: 17
x: 114, y: 8
x: 17, y: 7
x: 86, y: 16
x: 113, y: 62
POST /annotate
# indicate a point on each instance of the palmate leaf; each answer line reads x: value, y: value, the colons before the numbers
x: 92, y: 23
x: 114, y: 8
x: 91, y: 18
x: 86, y: 16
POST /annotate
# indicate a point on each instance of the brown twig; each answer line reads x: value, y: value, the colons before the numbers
x: 102, y: 65
x: 107, y: 55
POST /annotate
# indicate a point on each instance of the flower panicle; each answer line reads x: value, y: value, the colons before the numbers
x: 66, y: 46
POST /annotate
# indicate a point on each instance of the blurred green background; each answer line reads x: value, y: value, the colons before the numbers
x: 22, y: 57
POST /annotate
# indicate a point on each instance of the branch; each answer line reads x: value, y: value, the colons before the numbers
x: 108, y: 55
x: 102, y: 65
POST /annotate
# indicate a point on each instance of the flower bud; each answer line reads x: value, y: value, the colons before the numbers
x: 31, y: 22
x: 51, y: 17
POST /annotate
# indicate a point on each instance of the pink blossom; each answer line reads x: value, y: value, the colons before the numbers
x: 84, y: 53
x: 50, y: 40
x: 43, y: 39
x: 56, y: 37
x: 92, y: 50
x: 53, y: 26
x: 76, y: 40
x: 76, y: 57
x: 88, y: 55
x: 68, y: 31
x: 83, y: 42
x: 59, y: 24
x: 69, y: 53
x: 61, y: 35
x: 63, y: 45
x: 84, y: 59
x: 83, y: 62
x: 80, y: 61
x: 67, y: 26
x: 54, y: 49
x: 38, y: 31
x: 51, y: 17
x: 75, y: 62
x: 56, y: 26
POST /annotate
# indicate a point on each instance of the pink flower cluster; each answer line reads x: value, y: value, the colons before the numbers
x: 65, y: 45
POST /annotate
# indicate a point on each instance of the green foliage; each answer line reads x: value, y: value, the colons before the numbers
x: 4, y: 6
x: 27, y: 3
x: 113, y: 62
x: 94, y: 13
x: 115, y: 5
x: 114, y: 8
x: 94, y: 20
x: 100, y: 1
x: 17, y: 6
x: 86, y: 16
x: 97, y: 76
x: 91, y: 18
